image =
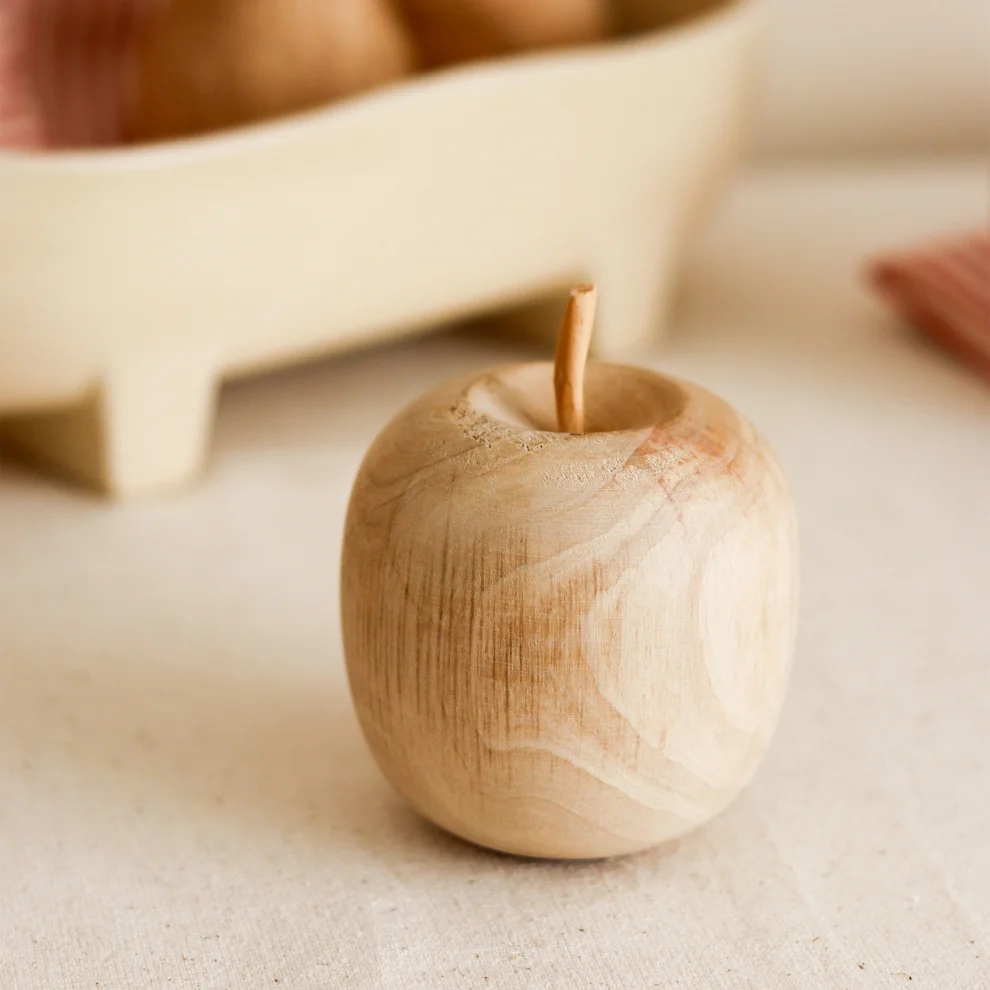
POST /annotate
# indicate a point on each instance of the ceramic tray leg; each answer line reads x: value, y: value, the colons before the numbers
x: 144, y: 429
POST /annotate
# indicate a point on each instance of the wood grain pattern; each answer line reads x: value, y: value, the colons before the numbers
x: 569, y: 646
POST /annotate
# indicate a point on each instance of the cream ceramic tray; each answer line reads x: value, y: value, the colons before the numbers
x: 133, y: 281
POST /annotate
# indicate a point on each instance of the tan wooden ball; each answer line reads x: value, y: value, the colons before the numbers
x: 452, y: 31
x: 569, y: 644
x: 206, y: 65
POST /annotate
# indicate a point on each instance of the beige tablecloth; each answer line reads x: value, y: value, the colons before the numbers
x: 186, y: 801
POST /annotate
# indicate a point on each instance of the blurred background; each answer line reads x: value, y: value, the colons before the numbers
x: 785, y: 202
x: 203, y: 249
x: 875, y: 78
x: 843, y: 78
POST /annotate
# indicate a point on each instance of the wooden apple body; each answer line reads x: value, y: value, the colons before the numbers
x: 569, y: 645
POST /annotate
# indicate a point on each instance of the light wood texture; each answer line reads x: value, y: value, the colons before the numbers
x: 192, y: 262
x: 450, y: 31
x: 211, y: 64
x: 573, y: 341
x: 569, y: 646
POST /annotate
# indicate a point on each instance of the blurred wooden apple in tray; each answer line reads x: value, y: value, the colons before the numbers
x: 459, y: 30
x: 211, y: 64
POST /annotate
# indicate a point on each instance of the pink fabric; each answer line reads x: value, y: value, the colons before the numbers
x: 20, y: 114
x: 64, y: 69
x: 944, y: 290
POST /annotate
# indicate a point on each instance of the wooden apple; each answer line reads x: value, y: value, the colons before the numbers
x: 450, y: 31
x: 569, y: 644
x: 211, y: 64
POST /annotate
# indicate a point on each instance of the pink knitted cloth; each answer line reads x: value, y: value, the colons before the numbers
x: 944, y: 290
x: 64, y: 69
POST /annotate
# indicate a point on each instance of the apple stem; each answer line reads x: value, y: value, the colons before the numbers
x: 573, y: 341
